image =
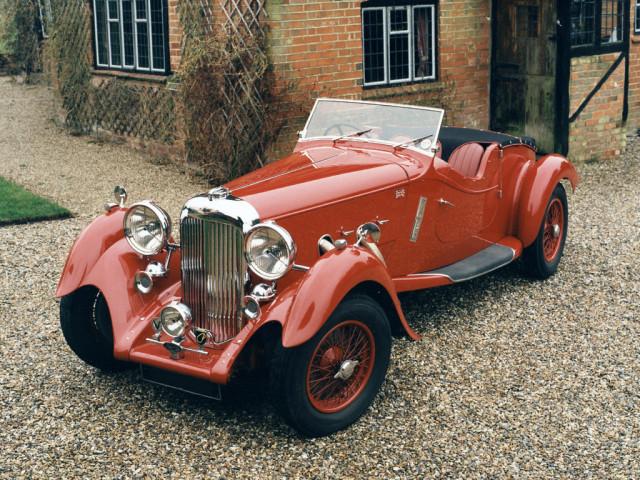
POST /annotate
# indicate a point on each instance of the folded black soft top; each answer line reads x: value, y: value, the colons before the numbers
x: 452, y: 137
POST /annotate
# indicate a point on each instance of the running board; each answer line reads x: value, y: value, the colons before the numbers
x: 483, y: 262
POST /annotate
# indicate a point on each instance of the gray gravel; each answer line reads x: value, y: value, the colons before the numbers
x: 513, y: 378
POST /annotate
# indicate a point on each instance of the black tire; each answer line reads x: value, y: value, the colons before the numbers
x: 305, y: 390
x: 542, y: 257
x: 86, y: 326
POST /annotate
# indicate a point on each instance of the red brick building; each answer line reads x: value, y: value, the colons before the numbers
x: 566, y: 72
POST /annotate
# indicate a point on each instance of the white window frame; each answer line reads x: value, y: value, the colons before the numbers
x: 431, y: 10
x: 115, y: 20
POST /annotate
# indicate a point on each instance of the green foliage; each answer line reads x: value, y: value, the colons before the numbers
x: 17, y: 205
x: 19, y: 40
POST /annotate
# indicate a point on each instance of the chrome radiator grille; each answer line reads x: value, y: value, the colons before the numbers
x: 213, y: 271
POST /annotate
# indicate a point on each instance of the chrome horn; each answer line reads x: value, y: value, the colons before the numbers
x: 143, y: 280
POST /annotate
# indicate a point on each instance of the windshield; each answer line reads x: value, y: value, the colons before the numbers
x: 402, y: 126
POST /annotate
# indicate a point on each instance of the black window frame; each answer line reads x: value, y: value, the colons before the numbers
x: 140, y: 22
x: 636, y: 19
x: 410, y: 6
x: 599, y: 43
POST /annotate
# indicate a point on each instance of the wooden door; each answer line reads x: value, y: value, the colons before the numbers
x: 523, y: 87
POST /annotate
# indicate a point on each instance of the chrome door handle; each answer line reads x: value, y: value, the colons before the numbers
x: 444, y: 202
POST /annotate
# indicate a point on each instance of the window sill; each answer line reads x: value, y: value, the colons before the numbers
x: 134, y: 76
x: 388, y: 91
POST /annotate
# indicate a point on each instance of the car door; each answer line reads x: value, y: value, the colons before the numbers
x: 467, y: 205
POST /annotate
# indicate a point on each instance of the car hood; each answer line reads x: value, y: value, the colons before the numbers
x: 317, y: 177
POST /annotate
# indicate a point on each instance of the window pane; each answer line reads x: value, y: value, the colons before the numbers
x: 423, y: 42
x: 157, y: 36
x: 612, y: 15
x: 127, y: 27
x: 398, y: 19
x: 373, y: 45
x: 143, y: 45
x: 102, y: 53
x: 141, y: 9
x: 583, y: 22
x: 399, y: 57
x: 637, y: 17
x: 113, y: 10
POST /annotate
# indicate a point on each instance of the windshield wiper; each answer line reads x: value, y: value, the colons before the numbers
x: 354, y: 134
x: 412, y: 141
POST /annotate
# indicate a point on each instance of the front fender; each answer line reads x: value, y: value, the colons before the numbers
x: 97, y: 237
x: 324, y: 286
x: 101, y: 257
x: 541, y: 179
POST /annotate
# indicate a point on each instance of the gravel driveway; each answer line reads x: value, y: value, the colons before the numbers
x: 513, y: 378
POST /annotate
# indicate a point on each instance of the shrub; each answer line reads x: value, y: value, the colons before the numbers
x: 19, y: 35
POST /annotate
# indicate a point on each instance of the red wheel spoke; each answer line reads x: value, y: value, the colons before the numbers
x: 348, y: 342
x: 551, y: 240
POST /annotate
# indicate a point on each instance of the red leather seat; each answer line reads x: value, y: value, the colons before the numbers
x: 466, y: 159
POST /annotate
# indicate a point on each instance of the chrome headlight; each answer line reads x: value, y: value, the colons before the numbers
x: 147, y: 228
x: 270, y: 251
x: 175, y: 318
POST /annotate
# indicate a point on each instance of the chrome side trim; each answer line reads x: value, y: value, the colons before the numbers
x: 418, y: 221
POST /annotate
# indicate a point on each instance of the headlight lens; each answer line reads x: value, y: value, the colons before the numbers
x: 270, y: 251
x: 147, y: 228
x: 174, y: 319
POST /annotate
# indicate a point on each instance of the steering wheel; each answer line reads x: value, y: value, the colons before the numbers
x: 338, y: 127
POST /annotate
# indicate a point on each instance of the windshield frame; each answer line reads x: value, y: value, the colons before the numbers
x: 431, y: 150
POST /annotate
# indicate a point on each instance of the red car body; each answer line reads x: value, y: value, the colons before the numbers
x: 440, y: 222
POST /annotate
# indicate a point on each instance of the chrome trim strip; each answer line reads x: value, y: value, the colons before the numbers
x: 418, y: 221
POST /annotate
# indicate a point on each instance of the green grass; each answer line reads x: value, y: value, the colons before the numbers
x: 20, y: 206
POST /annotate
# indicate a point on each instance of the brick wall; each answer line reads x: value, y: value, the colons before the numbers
x: 633, y: 122
x: 317, y: 45
x: 598, y: 132
x: 175, y: 35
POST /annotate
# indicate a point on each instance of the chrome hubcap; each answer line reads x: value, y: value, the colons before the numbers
x: 346, y: 369
x: 556, y: 231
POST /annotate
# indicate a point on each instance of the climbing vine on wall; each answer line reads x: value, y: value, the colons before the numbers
x: 232, y: 106
x: 223, y: 100
x: 108, y: 105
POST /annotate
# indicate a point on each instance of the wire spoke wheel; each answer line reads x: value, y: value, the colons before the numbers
x: 542, y: 257
x: 326, y: 383
x: 340, y: 366
x: 553, y: 230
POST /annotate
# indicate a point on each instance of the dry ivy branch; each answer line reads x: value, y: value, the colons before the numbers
x: 227, y: 96
x: 223, y: 97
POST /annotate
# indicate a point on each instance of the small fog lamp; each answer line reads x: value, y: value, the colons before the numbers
x: 174, y: 319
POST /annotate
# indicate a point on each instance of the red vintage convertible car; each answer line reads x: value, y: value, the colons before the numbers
x: 298, y: 265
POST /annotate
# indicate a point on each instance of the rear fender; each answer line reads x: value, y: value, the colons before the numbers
x: 541, y: 179
x: 331, y: 278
